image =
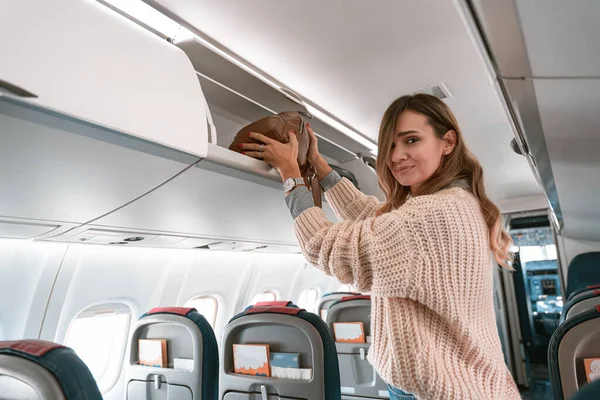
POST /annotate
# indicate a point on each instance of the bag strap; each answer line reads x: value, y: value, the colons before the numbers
x: 312, y: 183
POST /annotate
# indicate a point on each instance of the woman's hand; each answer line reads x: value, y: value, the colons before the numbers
x: 313, y: 155
x: 282, y: 156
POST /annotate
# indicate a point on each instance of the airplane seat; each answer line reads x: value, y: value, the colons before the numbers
x: 328, y: 299
x: 38, y: 370
x: 582, y: 290
x: 584, y: 270
x: 358, y: 377
x: 286, y: 329
x: 590, y: 391
x: 580, y: 302
x: 575, y: 343
x: 192, y: 357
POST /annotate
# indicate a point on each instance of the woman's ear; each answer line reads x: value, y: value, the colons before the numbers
x: 450, y: 141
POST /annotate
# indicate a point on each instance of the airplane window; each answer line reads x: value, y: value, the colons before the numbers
x: 99, y: 335
x: 551, y: 252
x: 267, y: 295
x: 308, y: 299
x: 205, y: 305
x: 346, y: 288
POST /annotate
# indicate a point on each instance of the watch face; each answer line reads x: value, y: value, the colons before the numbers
x: 289, y: 184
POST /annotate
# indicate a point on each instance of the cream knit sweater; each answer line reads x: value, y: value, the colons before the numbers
x: 427, y: 266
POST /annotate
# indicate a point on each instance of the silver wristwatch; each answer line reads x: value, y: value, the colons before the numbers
x: 290, y: 183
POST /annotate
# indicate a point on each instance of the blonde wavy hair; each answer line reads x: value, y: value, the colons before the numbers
x: 460, y: 164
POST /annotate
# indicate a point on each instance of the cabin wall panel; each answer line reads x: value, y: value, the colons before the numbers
x: 27, y: 272
x: 220, y: 274
x: 277, y: 272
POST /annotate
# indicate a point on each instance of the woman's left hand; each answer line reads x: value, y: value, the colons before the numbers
x: 282, y: 156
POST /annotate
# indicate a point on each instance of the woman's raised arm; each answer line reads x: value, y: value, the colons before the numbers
x: 347, y: 201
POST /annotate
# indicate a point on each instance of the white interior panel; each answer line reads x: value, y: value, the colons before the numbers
x: 60, y: 169
x: 128, y: 79
x: 569, y: 114
x: 562, y: 37
x: 20, y: 230
x: 27, y: 272
x: 269, y: 276
x: 211, y: 204
x: 527, y: 203
x: 96, y: 274
x: 223, y: 275
x: 313, y: 278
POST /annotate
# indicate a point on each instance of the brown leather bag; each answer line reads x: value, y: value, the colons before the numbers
x: 277, y: 127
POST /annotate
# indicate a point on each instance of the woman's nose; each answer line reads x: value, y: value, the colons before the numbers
x: 398, y: 155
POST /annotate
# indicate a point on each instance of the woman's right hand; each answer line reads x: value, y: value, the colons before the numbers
x: 314, y: 157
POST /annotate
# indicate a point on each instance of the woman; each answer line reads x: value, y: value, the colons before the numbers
x: 424, y: 254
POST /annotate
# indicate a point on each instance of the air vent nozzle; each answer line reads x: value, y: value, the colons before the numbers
x: 370, y: 162
x: 515, y: 147
x: 438, y: 90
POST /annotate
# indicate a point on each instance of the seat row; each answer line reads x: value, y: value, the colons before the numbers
x: 574, y: 350
x: 33, y: 369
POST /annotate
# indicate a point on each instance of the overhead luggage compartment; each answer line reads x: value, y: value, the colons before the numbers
x: 225, y: 197
x: 237, y: 98
x: 83, y: 60
x: 57, y: 168
x: 224, y: 75
x: 94, y: 112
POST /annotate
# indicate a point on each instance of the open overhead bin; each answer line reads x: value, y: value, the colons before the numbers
x: 95, y: 111
x: 238, y: 98
x: 222, y: 74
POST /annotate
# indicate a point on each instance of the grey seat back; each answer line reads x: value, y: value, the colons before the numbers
x: 358, y: 377
x: 36, y: 369
x: 328, y: 299
x: 579, y: 303
x: 575, y: 340
x: 21, y: 379
x: 286, y: 329
x: 189, y: 337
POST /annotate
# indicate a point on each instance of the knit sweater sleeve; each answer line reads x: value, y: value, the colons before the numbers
x: 349, y: 203
x: 376, y: 255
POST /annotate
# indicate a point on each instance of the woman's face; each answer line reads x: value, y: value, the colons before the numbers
x: 416, y: 151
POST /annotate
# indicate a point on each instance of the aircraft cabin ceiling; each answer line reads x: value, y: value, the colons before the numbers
x: 548, y: 55
x: 353, y: 58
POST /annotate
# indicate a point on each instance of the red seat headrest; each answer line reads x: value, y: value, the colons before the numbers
x: 171, y: 310
x: 30, y: 346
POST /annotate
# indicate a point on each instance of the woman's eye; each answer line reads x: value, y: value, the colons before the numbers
x: 393, y: 145
x: 412, y: 140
